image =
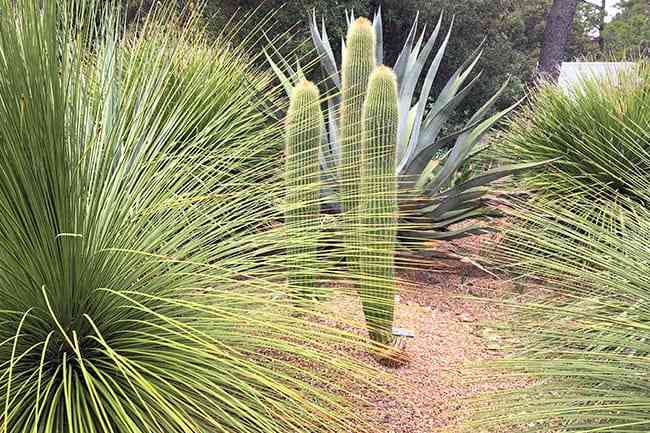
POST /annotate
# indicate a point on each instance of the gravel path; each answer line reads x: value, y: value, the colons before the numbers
x: 450, y: 332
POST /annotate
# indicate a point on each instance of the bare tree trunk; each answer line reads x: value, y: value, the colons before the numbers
x: 556, y: 35
x: 601, y: 26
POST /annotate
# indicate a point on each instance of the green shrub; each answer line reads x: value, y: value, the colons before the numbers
x: 599, y: 134
x: 582, y: 243
x: 583, y: 340
x: 142, y: 275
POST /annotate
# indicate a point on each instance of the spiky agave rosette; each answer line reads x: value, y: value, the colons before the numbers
x: 142, y: 270
x: 432, y: 199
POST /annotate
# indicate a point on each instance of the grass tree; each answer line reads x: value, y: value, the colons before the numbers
x: 582, y: 342
x: 596, y: 133
x: 142, y: 272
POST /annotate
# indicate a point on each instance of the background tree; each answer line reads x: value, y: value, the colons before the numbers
x: 513, y: 31
x: 629, y: 30
x: 559, y: 22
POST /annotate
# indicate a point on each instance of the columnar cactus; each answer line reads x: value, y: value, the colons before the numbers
x: 379, y: 207
x: 358, y: 64
x: 304, y: 131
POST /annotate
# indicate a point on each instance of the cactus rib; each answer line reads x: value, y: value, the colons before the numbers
x: 303, y: 135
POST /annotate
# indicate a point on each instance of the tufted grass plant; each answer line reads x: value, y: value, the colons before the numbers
x: 597, y: 133
x: 581, y: 341
x: 142, y: 269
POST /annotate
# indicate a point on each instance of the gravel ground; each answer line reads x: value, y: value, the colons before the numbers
x: 451, y: 331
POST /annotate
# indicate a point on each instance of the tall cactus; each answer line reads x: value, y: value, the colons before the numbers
x: 358, y: 64
x: 303, y: 134
x: 379, y: 208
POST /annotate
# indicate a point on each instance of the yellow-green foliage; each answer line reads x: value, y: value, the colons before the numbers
x: 303, y: 135
x: 358, y: 63
x: 379, y: 209
x: 141, y: 260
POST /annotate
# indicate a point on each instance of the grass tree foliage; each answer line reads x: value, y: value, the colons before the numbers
x: 598, y: 133
x: 583, y: 241
x: 584, y: 346
x: 142, y: 272
x: 430, y: 202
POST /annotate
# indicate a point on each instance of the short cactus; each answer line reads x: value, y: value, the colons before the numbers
x: 379, y: 207
x: 303, y: 134
x: 358, y: 64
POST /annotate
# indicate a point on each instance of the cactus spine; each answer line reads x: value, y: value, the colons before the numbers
x: 303, y: 134
x: 379, y: 204
x: 358, y: 64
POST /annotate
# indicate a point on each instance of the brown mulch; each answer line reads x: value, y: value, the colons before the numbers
x: 453, y: 309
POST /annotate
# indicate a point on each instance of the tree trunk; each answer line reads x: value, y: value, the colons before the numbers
x: 601, y: 27
x: 558, y: 29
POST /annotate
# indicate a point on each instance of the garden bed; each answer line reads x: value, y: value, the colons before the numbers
x: 451, y: 330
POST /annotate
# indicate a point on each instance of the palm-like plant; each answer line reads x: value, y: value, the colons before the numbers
x: 430, y: 202
x: 583, y: 237
x: 142, y: 277
x: 597, y: 133
x: 585, y: 345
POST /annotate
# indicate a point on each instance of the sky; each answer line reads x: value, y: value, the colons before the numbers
x: 611, y: 7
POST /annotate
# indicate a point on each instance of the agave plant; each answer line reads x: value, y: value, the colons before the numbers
x: 142, y: 277
x: 430, y: 204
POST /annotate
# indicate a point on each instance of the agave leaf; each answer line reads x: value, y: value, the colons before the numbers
x: 287, y: 82
x: 424, y: 95
x: 324, y: 50
x: 426, y: 151
x: 327, y: 159
x: 378, y: 26
x: 462, y: 209
x: 496, y: 174
x: 420, y: 158
x: 475, y: 213
x: 458, y: 201
x: 482, y: 112
x: 333, y: 143
x: 440, y: 112
x: 457, y: 79
x: 300, y: 74
x: 349, y: 17
x: 414, y: 68
x: 463, y: 147
x: 410, y: 236
x: 402, y: 59
x: 428, y: 171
